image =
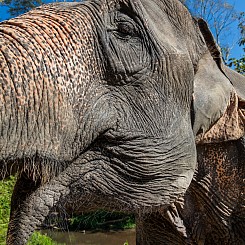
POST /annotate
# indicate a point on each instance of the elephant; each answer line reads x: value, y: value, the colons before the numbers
x: 122, y: 105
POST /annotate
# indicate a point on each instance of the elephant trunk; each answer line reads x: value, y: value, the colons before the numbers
x: 50, y: 92
x: 53, y: 107
x: 37, y: 204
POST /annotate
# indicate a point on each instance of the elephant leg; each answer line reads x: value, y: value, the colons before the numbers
x: 164, y: 228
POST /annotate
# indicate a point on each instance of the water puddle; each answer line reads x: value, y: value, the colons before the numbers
x: 93, y: 238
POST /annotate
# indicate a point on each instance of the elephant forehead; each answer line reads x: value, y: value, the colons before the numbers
x: 169, y: 20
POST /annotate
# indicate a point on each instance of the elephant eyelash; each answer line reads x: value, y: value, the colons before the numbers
x: 125, y: 31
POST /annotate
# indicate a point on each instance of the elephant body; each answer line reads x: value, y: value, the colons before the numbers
x: 122, y: 105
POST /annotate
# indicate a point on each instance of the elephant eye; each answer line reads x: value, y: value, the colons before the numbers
x: 126, y: 30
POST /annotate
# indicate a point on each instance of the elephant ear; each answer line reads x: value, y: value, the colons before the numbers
x: 219, y: 96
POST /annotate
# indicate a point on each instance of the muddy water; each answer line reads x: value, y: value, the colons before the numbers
x: 93, y: 238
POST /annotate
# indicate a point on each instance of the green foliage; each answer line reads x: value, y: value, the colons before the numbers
x: 102, y: 220
x: 239, y: 64
x: 6, y: 188
x: 126, y: 243
x: 39, y: 239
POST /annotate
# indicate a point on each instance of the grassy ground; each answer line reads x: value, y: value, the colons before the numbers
x: 38, y: 239
x: 6, y: 188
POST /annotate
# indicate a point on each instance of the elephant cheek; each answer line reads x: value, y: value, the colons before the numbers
x: 141, y: 173
x: 95, y: 119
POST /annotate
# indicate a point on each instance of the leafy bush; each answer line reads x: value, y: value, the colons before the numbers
x: 6, y: 188
x: 39, y: 239
x: 102, y: 220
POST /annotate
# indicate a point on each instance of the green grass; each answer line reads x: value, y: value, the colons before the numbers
x: 6, y: 188
x: 39, y: 239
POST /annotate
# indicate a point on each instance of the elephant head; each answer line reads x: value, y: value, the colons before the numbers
x: 96, y: 102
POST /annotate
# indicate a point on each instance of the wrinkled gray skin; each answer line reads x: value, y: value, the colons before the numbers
x: 97, y: 111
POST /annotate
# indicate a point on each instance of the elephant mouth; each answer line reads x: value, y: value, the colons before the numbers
x: 133, y: 174
x: 120, y: 170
